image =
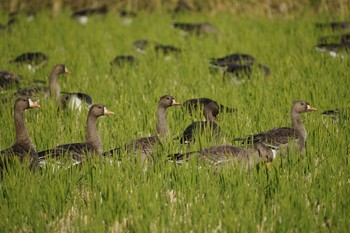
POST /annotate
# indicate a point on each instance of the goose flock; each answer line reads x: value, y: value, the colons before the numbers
x: 255, y: 148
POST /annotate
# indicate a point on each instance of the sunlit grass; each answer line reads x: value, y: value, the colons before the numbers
x: 308, y: 193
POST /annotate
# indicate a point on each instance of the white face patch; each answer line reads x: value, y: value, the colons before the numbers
x: 66, y: 70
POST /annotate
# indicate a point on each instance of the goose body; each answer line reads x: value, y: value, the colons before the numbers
x: 278, y: 137
x: 196, y: 103
x: 33, y: 60
x: 210, y: 112
x: 79, y: 151
x: 217, y: 155
x: 23, y: 145
x: 65, y: 99
x: 8, y: 79
x: 196, y: 28
x: 145, y: 145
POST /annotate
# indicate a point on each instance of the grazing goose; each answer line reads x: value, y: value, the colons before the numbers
x: 82, y: 15
x: 126, y: 16
x: 280, y: 137
x: 196, y: 28
x: 232, y: 59
x: 141, y: 46
x: 194, y: 104
x: 123, y: 60
x: 33, y: 60
x: 338, y: 113
x: 334, y: 49
x: 65, y: 99
x: 145, y: 145
x: 211, y: 110
x: 8, y: 79
x: 182, y: 7
x: 341, y: 38
x: 79, y: 151
x: 218, y: 155
x: 23, y: 145
x: 334, y: 25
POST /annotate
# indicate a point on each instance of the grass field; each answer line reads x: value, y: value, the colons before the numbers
x: 308, y: 193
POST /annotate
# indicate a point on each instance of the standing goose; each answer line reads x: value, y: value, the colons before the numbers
x: 23, y: 145
x: 78, y: 151
x: 211, y: 111
x: 217, y: 155
x: 146, y: 144
x: 279, y: 137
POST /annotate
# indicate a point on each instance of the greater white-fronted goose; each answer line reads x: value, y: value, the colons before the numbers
x: 53, y: 88
x: 33, y: 60
x: 210, y: 112
x: 8, y: 79
x: 334, y: 48
x: 279, y: 137
x: 197, y: 28
x: 223, y: 154
x: 126, y: 16
x: 82, y: 15
x: 182, y: 7
x: 341, y: 38
x: 196, y: 103
x: 65, y: 99
x: 146, y: 145
x: 334, y: 25
x: 232, y: 59
x: 78, y: 151
x: 166, y: 50
x: 141, y: 46
x: 123, y: 60
x: 23, y: 145
x: 338, y: 113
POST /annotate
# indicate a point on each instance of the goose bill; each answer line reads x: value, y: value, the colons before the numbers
x: 33, y: 104
x: 107, y: 112
x: 175, y: 103
x: 310, y: 108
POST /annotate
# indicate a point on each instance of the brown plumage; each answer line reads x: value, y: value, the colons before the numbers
x: 222, y: 154
x: 23, y: 145
x: 279, y: 137
x: 210, y: 112
x: 78, y: 151
x: 145, y: 145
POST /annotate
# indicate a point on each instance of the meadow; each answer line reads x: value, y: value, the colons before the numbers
x: 307, y: 193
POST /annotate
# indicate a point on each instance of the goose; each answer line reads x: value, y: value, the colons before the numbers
x: 23, y: 145
x: 210, y: 112
x: 218, y: 155
x: 82, y: 15
x: 193, y: 104
x: 196, y: 28
x: 123, y: 60
x: 79, y: 151
x: 280, y: 137
x: 33, y: 60
x: 182, y: 7
x: 65, y: 99
x: 126, y: 17
x: 145, y: 145
x: 8, y: 79
x: 232, y: 59
x: 338, y: 113
x: 334, y: 25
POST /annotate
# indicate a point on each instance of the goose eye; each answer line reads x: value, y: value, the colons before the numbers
x: 302, y: 103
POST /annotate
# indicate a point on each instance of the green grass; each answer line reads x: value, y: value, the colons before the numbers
x: 308, y: 193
